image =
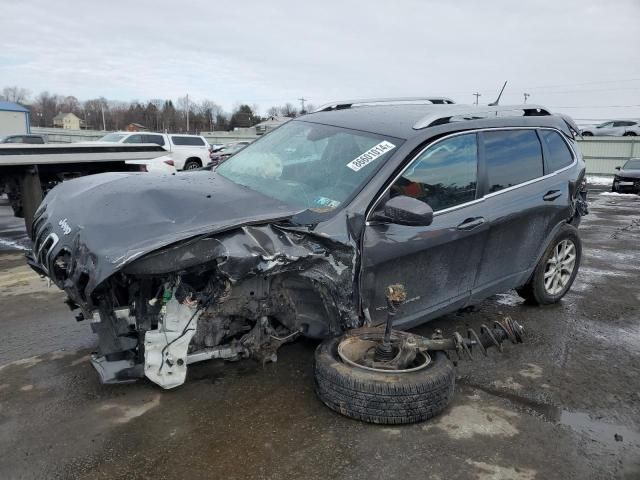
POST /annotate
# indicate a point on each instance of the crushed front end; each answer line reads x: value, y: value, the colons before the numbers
x: 230, y: 293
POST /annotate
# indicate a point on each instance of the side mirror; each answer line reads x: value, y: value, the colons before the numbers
x: 617, y: 168
x: 404, y: 210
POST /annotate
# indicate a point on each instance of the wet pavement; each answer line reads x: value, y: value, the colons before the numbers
x: 564, y: 405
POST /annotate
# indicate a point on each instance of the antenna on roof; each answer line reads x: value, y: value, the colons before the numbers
x: 493, y: 104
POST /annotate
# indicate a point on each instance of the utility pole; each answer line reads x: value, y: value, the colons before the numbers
x: 526, y: 95
x: 477, y: 95
x: 187, y: 113
x: 302, y: 100
x: 104, y: 125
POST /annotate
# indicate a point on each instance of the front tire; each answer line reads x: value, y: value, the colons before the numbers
x: 382, y: 397
x: 587, y: 134
x: 556, y: 270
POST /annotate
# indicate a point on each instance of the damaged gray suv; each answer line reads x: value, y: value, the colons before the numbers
x: 361, y: 213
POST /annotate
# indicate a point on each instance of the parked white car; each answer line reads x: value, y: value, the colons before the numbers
x: 187, y: 151
x: 164, y: 164
x: 614, y: 128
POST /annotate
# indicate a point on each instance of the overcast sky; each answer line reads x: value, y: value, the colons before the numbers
x: 565, y: 53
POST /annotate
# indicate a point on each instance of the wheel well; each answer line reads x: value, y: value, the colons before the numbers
x: 195, y: 159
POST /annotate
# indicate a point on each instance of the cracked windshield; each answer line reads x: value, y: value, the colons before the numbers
x: 317, y: 167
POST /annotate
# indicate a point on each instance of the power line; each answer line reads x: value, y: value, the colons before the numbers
x: 585, y: 83
x: 597, y: 106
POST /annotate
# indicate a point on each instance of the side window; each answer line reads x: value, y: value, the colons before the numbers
x: 444, y: 175
x: 157, y: 139
x: 192, y: 141
x: 134, y: 139
x: 558, y: 153
x: 512, y: 157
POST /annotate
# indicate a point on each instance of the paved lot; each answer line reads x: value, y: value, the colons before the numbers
x: 566, y: 404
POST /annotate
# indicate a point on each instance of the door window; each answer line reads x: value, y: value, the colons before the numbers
x: 512, y: 157
x: 444, y: 175
x: 558, y: 153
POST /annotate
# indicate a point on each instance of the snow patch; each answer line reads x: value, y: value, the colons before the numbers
x: 616, y: 194
x: 598, y: 180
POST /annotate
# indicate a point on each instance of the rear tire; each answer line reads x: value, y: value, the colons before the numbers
x: 192, y: 164
x: 381, y: 397
x: 542, y: 289
x: 587, y: 134
x: 629, y: 134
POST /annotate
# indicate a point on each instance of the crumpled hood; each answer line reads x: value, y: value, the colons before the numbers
x: 629, y: 173
x: 110, y: 219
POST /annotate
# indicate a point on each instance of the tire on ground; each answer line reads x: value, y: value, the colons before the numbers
x: 387, y: 398
x: 533, y: 291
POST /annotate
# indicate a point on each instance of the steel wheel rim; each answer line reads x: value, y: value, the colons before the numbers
x: 560, y: 267
x: 352, y: 346
x: 191, y: 166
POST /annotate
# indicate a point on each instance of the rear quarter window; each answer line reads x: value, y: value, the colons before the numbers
x: 512, y: 157
x: 191, y: 141
x: 558, y: 154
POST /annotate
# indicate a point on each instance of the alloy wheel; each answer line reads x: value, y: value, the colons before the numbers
x: 560, y: 267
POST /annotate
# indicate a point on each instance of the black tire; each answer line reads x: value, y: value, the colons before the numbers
x: 629, y: 134
x: 387, y: 398
x: 192, y: 163
x: 534, y: 290
x: 587, y: 134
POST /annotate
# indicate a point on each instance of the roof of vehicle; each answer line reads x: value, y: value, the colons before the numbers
x: 12, y: 107
x: 408, y: 120
x: 124, y: 132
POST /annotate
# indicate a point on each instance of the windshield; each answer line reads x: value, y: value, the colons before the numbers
x: 113, y: 137
x: 317, y: 167
x: 633, y: 164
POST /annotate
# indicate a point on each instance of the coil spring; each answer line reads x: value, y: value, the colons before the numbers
x: 511, y: 330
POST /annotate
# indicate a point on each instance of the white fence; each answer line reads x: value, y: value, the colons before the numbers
x: 603, y: 154
x: 60, y: 135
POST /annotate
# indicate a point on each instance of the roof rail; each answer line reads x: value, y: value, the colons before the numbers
x: 455, y: 113
x: 368, y: 101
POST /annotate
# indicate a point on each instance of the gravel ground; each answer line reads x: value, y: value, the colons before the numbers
x: 564, y: 405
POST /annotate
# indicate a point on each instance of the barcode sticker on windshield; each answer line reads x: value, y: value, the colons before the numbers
x: 370, y: 155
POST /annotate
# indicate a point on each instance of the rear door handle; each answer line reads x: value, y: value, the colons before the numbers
x: 551, y: 195
x: 471, y: 223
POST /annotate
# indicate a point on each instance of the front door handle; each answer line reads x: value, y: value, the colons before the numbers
x: 551, y: 195
x: 471, y: 223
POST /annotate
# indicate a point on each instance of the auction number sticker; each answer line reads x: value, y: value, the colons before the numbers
x: 370, y: 155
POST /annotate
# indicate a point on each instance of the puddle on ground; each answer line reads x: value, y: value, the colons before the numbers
x: 611, y: 437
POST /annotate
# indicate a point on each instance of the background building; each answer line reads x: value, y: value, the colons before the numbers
x: 67, y: 120
x: 14, y: 119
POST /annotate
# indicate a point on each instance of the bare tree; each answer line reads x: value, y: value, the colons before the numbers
x: 210, y: 111
x: 16, y: 94
x: 288, y: 110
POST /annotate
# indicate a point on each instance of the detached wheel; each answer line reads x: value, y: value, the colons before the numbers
x: 421, y: 391
x: 556, y: 270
